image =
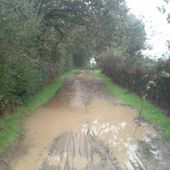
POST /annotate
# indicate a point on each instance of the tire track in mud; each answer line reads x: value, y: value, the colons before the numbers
x: 83, y: 127
x: 78, y: 151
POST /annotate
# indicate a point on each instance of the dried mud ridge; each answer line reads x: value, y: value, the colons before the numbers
x: 83, y: 127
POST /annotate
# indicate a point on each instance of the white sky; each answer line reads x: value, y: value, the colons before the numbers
x: 157, y: 29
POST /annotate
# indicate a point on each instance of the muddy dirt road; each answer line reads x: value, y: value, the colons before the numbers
x: 83, y: 127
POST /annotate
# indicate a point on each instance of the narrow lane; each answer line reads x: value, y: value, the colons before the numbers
x: 83, y: 127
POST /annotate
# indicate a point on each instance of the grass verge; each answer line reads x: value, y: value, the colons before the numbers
x: 150, y: 112
x: 10, y: 126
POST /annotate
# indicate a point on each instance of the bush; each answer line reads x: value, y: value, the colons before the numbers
x: 18, y: 82
x: 136, y: 76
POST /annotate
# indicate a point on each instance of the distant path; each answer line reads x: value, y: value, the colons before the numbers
x: 83, y: 127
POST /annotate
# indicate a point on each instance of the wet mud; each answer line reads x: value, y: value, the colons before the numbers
x: 83, y: 127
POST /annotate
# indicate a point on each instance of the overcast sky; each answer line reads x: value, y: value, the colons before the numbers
x: 158, y: 31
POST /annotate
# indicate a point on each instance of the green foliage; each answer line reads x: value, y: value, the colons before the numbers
x: 136, y: 71
x: 18, y: 82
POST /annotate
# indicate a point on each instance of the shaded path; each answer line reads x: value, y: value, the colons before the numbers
x: 83, y: 127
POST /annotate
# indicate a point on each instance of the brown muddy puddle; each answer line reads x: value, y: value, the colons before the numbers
x: 110, y: 122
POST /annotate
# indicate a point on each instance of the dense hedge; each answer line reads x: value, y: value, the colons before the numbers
x: 136, y: 78
x: 18, y: 83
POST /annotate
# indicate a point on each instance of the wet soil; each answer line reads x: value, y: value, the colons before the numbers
x: 84, y: 127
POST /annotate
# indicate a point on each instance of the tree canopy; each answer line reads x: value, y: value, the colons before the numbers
x: 40, y: 39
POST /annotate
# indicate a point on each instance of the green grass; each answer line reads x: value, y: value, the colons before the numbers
x: 150, y: 112
x: 10, y: 126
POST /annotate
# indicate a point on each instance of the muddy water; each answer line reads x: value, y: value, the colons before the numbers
x: 80, y: 108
